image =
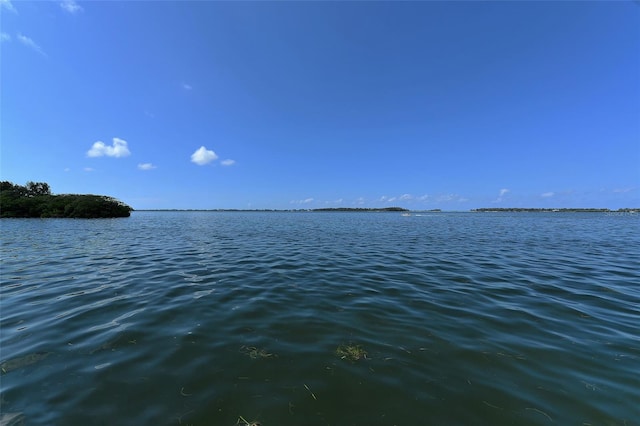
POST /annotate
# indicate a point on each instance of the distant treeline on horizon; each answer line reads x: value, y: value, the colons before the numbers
x: 571, y: 210
x: 328, y: 209
x: 400, y: 209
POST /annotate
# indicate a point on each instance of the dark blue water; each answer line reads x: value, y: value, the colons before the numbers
x: 203, y: 318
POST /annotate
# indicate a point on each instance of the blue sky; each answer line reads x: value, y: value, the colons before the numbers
x: 260, y: 105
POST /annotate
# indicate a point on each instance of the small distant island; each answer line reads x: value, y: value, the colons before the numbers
x: 544, y: 210
x: 35, y: 200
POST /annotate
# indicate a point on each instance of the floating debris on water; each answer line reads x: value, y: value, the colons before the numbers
x: 312, y: 394
x: 241, y: 420
x: 351, y: 352
x: 255, y: 353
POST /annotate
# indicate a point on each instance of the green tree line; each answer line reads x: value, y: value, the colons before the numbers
x: 36, y: 200
x: 360, y: 209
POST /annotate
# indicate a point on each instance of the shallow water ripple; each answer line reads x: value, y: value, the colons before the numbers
x: 199, y: 318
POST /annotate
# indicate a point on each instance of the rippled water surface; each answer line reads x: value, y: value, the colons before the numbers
x: 198, y: 318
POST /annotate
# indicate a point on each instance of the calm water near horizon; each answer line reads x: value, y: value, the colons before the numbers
x: 198, y: 318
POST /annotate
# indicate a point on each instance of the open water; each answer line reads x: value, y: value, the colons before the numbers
x: 210, y: 318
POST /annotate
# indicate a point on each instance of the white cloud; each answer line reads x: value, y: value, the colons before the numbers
x: 228, y: 162
x: 7, y: 5
x: 118, y: 149
x: 30, y: 44
x: 186, y: 86
x: 203, y: 156
x: 5, y: 37
x: 146, y: 166
x: 88, y: 169
x: 405, y: 197
x: 547, y: 194
x: 70, y: 6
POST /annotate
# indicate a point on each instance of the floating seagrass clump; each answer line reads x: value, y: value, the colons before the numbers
x: 255, y: 353
x: 351, y: 352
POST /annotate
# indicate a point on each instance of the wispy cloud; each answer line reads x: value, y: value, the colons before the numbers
x: 203, y: 156
x: 403, y: 197
x: 448, y: 198
x: 30, y: 43
x: 118, y: 149
x: 186, y: 86
x: 5, y: 37
x: 71, y: 6
x: 7, y: 5
x: 146, y: 166
x: 547, y: 194
x: 501, y: 195
x: 411, y: 199
x: 88, y: 169
x: 623, y: 190
x: 228, y: 162
x: 305, y: 201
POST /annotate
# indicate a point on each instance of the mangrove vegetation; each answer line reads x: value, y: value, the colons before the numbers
x: 36, y: 200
